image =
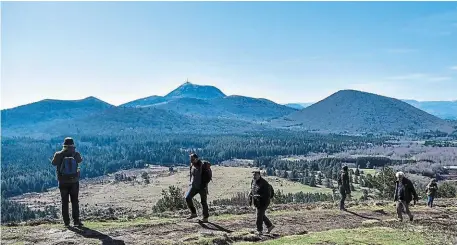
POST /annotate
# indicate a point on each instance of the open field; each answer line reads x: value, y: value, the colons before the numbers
x: 138, y: 197
x: 367, y: 223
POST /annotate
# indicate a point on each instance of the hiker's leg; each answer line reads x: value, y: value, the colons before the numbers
x: 429, y: 198
x: 266, y: 220
x: 64, y: 193
x: 189, y: 196
x: 431, y: 201
x: 343, y: 198
x: 399, y: 210
x: 406, y: 205
x: 204, y: 201
x: 260, y: 216
x: 74, y: 192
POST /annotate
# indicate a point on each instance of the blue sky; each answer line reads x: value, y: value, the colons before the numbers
x: 286, y: 52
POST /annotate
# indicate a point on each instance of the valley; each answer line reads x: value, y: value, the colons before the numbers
x: 135, y: 158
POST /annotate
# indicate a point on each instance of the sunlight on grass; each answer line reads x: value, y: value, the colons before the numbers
x: 377, y: 235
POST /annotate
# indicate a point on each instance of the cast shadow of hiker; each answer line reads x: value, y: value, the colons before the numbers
x: 89, y: 233
x: 215, y: 228
x: 362, y: 216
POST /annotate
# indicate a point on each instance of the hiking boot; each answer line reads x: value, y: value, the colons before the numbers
x: 205, y: 220
x: 411, y: 218
x: 259, y: 233
x: 78, y: 224
x: 270, y: 229
x: 67, y: 225
x: 192, y: 216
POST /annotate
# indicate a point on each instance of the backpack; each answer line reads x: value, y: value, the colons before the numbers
x: 272, y: 191
x: 68, y: 168
x: 206, y: 173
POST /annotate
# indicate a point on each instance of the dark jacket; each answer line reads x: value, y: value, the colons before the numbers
x: 344, y: 183
x: 58, y: 158
x: 196, y: 175
x: 260, y: 193
x: 406, y: 192
x: 432, y: 188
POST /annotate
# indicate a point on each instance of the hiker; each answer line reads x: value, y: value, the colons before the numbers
x: 404, y: 194
x: 260, y: 195
x: 67, y: 168
x: 200, y: 175
x: 432, y: 188
x: 344, y: 186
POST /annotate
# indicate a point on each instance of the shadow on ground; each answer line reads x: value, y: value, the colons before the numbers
x: 362, y: 216
x: 214, y: 227
x: 89, y: 233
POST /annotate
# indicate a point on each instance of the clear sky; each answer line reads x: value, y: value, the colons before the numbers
x: 286, y: 52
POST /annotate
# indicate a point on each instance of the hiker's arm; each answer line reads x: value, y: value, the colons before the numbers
x: 55, y: 160
x: 250, y: 195
x: 413, y: 190
x: 78, y: 158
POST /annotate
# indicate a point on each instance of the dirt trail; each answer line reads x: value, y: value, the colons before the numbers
x: 226, y: 229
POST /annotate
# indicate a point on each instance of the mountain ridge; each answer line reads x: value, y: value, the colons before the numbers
x: 344, y: 111
x: 355, y: 111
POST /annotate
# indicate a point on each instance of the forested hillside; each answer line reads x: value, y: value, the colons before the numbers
x: 26, y: 163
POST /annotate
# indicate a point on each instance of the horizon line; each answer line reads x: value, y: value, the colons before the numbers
x: 188, y: 82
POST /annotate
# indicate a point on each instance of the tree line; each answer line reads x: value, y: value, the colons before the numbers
x: 26, y: 163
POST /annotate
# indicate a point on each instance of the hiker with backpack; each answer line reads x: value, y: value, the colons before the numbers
x: 404, y: 194
x: 432, y: 188
x: 200, y: 176
x: 67, y: 168
x: 344, y: 186
x: 260, y: 195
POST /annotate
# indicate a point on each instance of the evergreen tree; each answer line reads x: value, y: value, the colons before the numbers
x: 312, y: 181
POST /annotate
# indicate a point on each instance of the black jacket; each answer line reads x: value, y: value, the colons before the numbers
x: 344, y: 182
x: 407, y: 192
x: 260, y: 193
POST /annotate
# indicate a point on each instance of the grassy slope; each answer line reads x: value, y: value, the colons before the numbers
x: 227, y: 181
x: 373, y: 235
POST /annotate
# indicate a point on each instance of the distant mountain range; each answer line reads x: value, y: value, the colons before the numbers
x: 207, y: 110
x: 355, y: 111
x: 441, y: 109
x: 208, y: 101
x: 298, y: 106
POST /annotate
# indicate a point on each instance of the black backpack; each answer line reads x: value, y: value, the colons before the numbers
x: 206, y: 173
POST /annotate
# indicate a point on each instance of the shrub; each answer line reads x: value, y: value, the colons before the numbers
x: 446, y: 190
x: 172, y: 200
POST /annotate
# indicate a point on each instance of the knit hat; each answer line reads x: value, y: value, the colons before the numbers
x: 68, y: 142
x: 193, y: 155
